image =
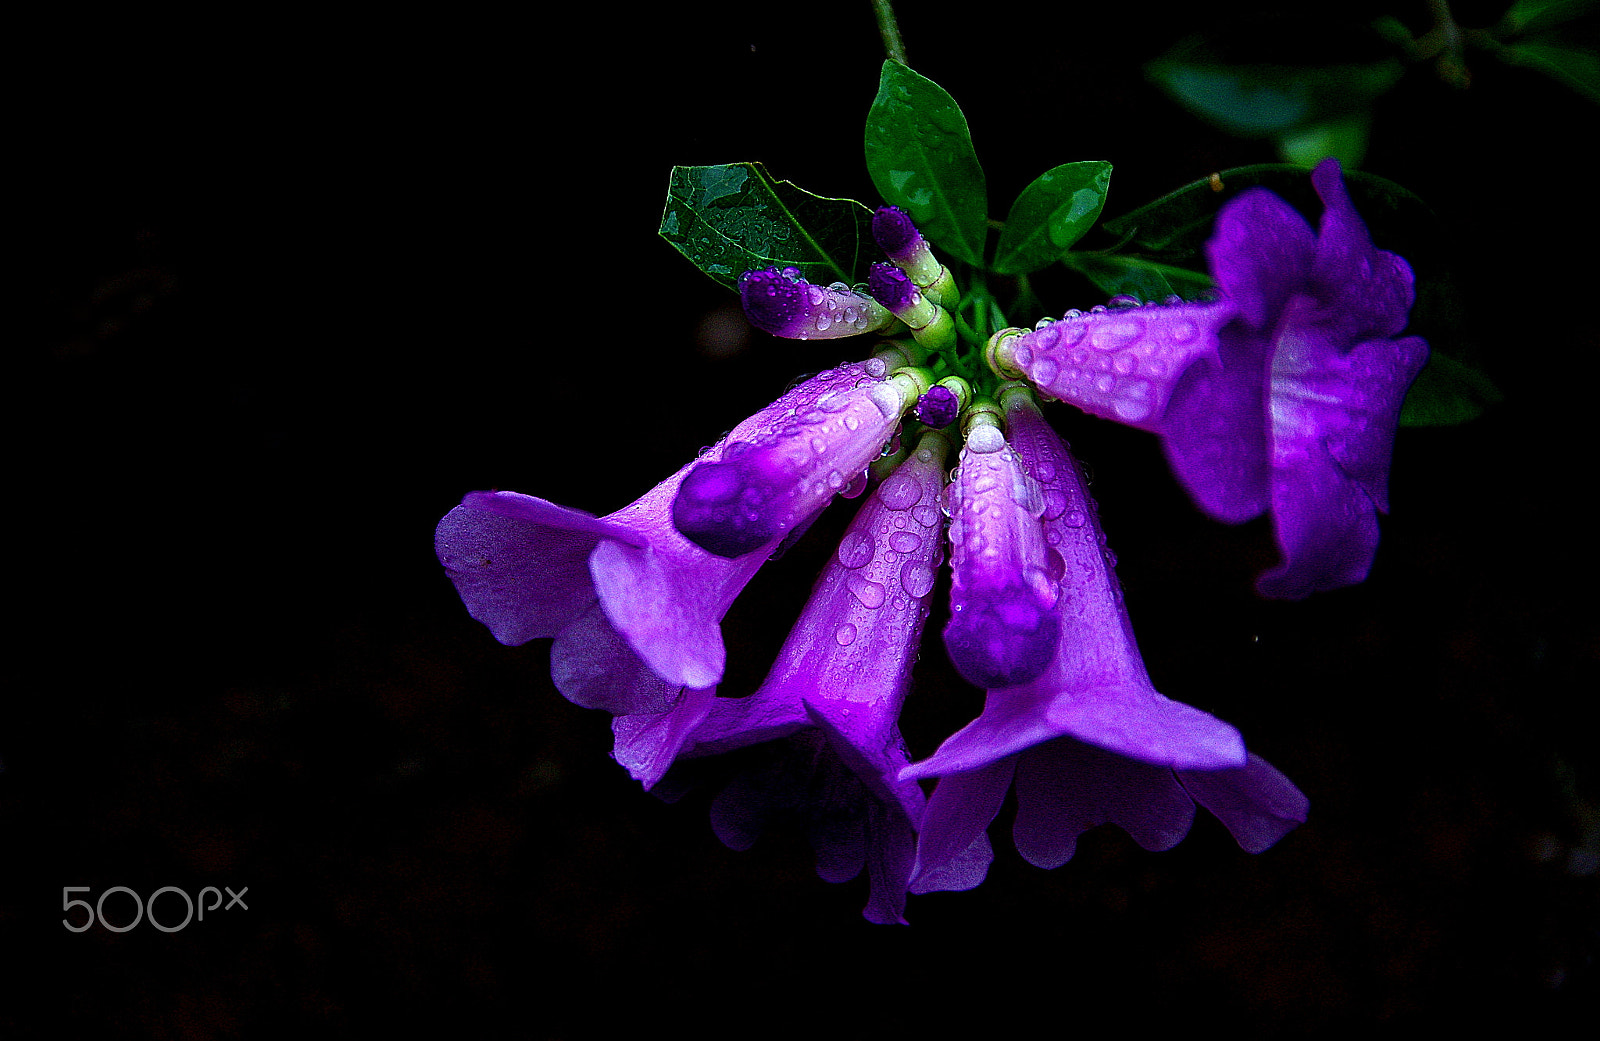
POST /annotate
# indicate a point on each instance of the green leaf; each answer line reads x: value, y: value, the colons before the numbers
x: 1574, y: 66
x: 1344, y: 139
x: 1447, y: 392
x: 1177, y: 224
x: 1531, y: 16
x: 1123, y: 275
x: 1269, y: 100
x: 735, y: 218
x: 1050, y: 215
x: 920, y: 156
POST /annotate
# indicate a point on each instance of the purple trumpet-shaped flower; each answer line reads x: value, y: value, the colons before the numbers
x: 1090, y: 740
x: 1282, y: 396
x: 1003, y: 595
x: 826, y: 714
x: 782, y: 303
x: 634, y: 606
x: 808, y: 446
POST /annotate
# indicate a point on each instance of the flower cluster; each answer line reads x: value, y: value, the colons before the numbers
x: 1280, y: 395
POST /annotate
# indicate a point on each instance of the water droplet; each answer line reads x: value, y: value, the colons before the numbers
x: 1045, y: 371
x: 899, y: 492
x: 845, y: 634
x: 904, y: 542
x: 870, y: 593
x: 1074, y: 519
x: 1117, y: 334
x: 916, y: 579
x: 855, y: 550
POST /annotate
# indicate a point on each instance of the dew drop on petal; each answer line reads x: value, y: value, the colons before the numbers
x: 855, y: 550
x: 845, y: 634
x: 916, y: 579
x: 1115, y: 335
x: 870, y: 593
x: 899, y: 492
x: 904, y: 542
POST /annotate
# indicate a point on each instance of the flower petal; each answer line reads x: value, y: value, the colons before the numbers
x: 782, y: 303
x: 782, y: 466
x: 521, y: 563
x: 1065, y: 787
x: 1214, y: 431
x: 1257, y: 803
x: 1260, y: 253
x: 1325, y: 401
x: 593, y: 666
x: 1365, y: 291
x: 1121, y: 363
x: 647, y: 743
x: 1097, y: 689
x: 951, y: 840
x: 1003, y: 597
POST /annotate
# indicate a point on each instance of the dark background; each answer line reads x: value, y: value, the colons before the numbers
x: 289, y: 287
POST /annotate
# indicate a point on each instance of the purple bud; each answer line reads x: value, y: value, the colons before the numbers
x: 891, y: 288
x: 798, y: 453
x: 720, y: 506
x: 1004, y: 620
x: 782, y: 303
x: 938, y: 408
x: 894, y: 233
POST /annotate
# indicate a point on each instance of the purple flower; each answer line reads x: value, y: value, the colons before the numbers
x: 1090, y: 740
x: 782, y: 303
x: 826, y: 715
x: 636, y: 607
x: 800, y: 452
x: 1282, y: 396
x: 1003, y: 597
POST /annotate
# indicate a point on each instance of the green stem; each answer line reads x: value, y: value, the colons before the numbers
x: 889, y: 29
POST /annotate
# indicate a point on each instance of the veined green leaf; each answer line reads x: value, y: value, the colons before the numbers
x: 1119, y: 275
x: 920, y: 156
x: 1177, y: 224
x: 1050, y: 215
x: 735, y: 218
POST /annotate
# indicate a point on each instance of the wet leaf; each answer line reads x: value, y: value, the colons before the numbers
x: 1177, y: 225
x: 1050, y: 215
x: 1576, y: 67
x: 1119, y: 275
x: 920, y: 156
x: 735, y: 218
